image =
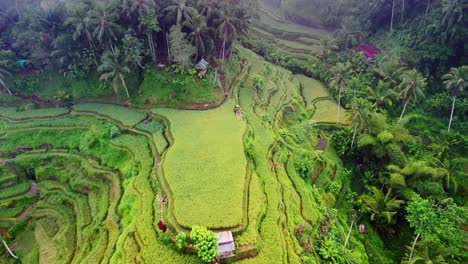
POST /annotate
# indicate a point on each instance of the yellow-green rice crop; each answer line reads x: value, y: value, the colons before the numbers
x: 12, y: 113
x: 206, y: 166
x: 325, y: 112
x: 311, y: 89
x: 124, y: 115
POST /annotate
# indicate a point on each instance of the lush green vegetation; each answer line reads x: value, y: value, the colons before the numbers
x: 113, y: 148
x: 178, y: 88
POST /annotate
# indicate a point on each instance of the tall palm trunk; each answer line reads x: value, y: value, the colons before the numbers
x: 125, y: 85
x: 9, y: 250
x: 414, y: 244
x: 151, y: 46
x: 393, y: 13
x: 451, y: 113
x: 402, y: 11
x: 224, y: 49
x: 339, y: 106
x: 403, y: 112
x: 427, y: 10
x: 354, y: 136
x: 168, y: 49
x: 349, y: 233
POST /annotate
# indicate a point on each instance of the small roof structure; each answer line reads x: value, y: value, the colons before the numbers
x: 202, y: 65
x: 226, y: 246
x: 369, y: 51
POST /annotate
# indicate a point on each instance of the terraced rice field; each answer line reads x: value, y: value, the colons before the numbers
x: 87, y: 185
x: 318, y: 100
x: 285, y: 35
x: 311, y: 89
x: 205, y: 167
x: 81, y: 194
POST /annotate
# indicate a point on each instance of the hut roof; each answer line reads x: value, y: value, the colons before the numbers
x: 202, y: 65
x: 369, y: 51
x: 225, y: 243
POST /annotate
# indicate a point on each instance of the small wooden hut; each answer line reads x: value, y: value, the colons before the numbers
x: 226, y: 246
x: 202, y: 66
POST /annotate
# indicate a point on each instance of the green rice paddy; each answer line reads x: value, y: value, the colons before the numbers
x: 205, y: 166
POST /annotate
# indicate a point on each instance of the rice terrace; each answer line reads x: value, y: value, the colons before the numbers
x: 233, y: 131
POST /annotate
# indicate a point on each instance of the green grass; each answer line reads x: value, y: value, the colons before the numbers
x: 126, y: 116
x: 206, y: 166
x: 167, y: 89
x: 13, y: 113
x: 50, y: 84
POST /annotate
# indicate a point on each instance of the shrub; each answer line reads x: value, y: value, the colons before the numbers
x: 304, y: 165
x: 181, y: 237
x: 206, y: 243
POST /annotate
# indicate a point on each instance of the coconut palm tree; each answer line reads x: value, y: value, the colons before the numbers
x: 227, y: 29
x: 103, y: 21
x: 453, y: 12
x: 210, y: 9
x: 135, y: 8
x: 199, y: 34
x: 390, y: 69
x: 180, y: 11
x: 428, y: 253
x: 382, y: 95
x: 349, y: 30
x: 113, y: 68
x: 360, y: 112
x: 381, y: 206
x: 453, y: 170
x: 456, y: 81
x: 327, y: 45
x: 231, y: 23
x: 411, y: 88
x: 340, y: 75
x: 149, y: 25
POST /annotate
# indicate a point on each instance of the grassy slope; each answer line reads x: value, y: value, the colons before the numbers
x: 158, y: 90
x: 205, y: 167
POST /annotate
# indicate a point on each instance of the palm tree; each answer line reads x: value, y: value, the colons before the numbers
x: 380, y: 205
x: 103, y: 20
x: 327, y: 46
x: 456, y: 81
x: 180, y: 11
x: 411, y: 88
x: 149, y: 25
x: 136, y: 8
x: 113, y: 68
x: 360, y: 112
x: 390, y: 70
x: 349, y: 30
x: 340, y: 75
x: 382, y: 95
x: 210, y: 9
x: 228, y: 29
x: 453, y: 12
x: 231, y: 23
x: 453, y: 170
x: 428, y: 253
x: 199, y: 34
